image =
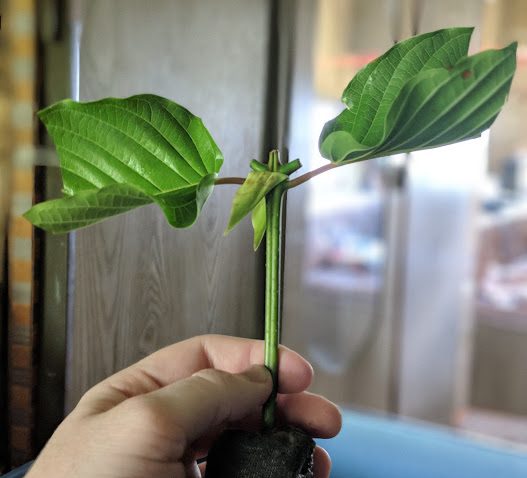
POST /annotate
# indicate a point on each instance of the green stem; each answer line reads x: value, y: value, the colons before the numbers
x: 257, y: 166
x: 311, y: 174
x: 291, y: 167
x: 273, y: 293
x: 229, y: 181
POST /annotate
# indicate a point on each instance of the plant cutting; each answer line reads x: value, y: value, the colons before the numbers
x: 119, y: 154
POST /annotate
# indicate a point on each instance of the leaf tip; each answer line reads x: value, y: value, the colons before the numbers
x: 257, y: 241
x: 512, y: 46
x: 28, y: 216
x: 41, y: 114
x: 233, y: 222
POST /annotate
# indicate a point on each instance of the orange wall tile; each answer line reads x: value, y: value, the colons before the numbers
x: 21, y: 271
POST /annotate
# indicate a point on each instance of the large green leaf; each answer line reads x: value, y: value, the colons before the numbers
x: 86, y: 207
x: 114, y: 151
x: 423, y: 92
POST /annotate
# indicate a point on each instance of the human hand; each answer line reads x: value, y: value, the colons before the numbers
x: 158, y: 416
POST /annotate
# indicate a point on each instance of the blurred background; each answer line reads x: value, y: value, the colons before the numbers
x: 405, y: 277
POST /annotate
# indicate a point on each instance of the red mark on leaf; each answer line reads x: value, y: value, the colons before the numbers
x: 466, y: 74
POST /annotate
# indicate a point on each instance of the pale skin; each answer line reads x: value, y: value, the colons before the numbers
x: 158, y: 416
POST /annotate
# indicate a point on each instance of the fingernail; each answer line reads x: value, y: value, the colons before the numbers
x: 258, y: 374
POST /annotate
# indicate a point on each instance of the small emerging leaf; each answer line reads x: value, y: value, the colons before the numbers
x: 422, y: 93
x: 144, y: 144
x: 251, y: 192
x: 259, y: 221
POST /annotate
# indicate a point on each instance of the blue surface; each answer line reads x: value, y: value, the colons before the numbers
x: 377, y: 447
x: 370, y: 446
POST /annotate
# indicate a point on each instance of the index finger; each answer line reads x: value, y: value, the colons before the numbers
x: 181, y: 360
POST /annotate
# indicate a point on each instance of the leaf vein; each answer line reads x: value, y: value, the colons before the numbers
x: 89, y: 140
x: 141, y: 146
x: 189, y: 136
x: 171, y: 146
x: 452, y: 105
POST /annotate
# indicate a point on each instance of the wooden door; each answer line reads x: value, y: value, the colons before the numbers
x: 136, y: 284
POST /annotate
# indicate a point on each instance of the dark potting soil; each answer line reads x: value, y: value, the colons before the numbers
x: 279, y: 453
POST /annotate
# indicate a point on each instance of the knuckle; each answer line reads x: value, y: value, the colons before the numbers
x: 151, y: 428
x: 145, y: 412
x: 89, y: 395
x: 211, y: 376
x: 208, y: 336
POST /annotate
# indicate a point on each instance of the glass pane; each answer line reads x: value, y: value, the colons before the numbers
x: 406, y: 278
x: 336, y: 243
x: 499, y: 373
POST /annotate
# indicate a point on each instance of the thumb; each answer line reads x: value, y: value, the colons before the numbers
x: 211, y: 397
